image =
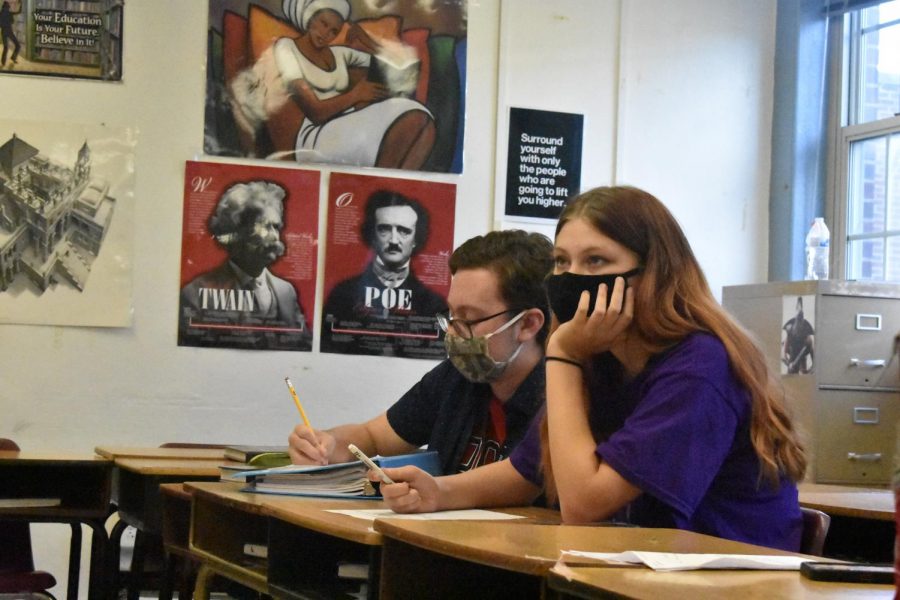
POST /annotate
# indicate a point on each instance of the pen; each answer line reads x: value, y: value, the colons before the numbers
x: 297, y: 402
x: 368, y: 462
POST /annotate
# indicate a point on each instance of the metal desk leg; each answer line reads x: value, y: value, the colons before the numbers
x: 204, y: 577
x: 115, y: 554
x: 74, y: 562
x: 98, y: 588
x: 170, y: 566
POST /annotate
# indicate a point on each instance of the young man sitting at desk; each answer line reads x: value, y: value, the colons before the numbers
x: 474, y: 407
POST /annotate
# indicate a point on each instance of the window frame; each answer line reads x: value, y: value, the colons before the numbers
x: 843, y: 102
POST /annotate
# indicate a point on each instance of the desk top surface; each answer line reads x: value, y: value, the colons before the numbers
x: 9, y: 456
x: 172, y: 466
x: 117, y: 452
x: 175, y: 490
x: 646, y: 584
x: 309, y: 513
x: 848, y: 501
x: 312, y: 513
x: 532, y: 548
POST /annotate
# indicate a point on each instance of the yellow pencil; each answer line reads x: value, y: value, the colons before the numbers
x: 297, y: 402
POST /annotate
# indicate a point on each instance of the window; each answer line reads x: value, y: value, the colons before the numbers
x: 867, y: 203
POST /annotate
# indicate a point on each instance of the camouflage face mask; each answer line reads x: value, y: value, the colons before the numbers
x: 472, y: 358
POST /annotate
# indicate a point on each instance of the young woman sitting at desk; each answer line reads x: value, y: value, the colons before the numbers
x: 660, y: 410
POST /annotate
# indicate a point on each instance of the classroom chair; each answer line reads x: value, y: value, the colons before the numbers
x: 815, y: 528
x: 17, y: 573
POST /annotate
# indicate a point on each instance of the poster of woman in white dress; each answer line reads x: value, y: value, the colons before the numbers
x: 338, y: 82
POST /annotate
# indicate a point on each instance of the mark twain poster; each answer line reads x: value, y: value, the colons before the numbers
x: 248, y: 265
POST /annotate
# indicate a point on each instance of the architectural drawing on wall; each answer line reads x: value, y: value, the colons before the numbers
x: 53, y: 218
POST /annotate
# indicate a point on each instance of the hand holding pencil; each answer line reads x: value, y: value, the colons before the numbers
x: 411, y: 490
x: 305, y: 444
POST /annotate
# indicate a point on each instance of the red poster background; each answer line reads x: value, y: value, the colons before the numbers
x: 347, y: 254
x: 204, y: 184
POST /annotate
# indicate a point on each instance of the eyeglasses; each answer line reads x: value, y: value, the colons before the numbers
x: 463, y: 327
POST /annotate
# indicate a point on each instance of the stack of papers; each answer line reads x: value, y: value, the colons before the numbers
x: 472, y: 514
x: 350, y: 479
x: 340, y: 480
x: 671, y: 561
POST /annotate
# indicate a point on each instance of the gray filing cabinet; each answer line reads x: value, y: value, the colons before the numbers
x: 848, y: 405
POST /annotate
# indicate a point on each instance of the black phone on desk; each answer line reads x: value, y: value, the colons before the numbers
x: 847, y: 572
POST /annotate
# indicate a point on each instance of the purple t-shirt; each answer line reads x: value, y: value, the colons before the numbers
x: 680, y: 431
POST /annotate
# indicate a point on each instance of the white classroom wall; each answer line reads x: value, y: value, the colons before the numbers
x: 676, y: 98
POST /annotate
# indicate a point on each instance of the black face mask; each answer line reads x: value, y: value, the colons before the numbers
x: 564, y: 291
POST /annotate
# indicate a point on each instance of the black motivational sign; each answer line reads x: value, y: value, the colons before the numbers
x: 544, y: 162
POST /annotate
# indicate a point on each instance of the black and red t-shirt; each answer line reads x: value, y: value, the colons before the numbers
x: 486, y: 443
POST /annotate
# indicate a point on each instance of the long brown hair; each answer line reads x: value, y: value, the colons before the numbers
x: 674, y: 300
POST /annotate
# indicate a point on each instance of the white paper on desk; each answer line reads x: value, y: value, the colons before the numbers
x: 671, y: 561
x: 371, y: 514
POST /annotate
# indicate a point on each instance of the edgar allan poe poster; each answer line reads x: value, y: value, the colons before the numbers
x: 248, y: 264
x: 386, y: 271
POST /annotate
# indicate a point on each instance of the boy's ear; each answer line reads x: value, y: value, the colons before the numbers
x: 532, y: 322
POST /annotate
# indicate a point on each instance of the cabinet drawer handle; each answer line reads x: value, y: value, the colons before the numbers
x: 866, y: 322
x: 873, y: 457
x: 872, y: 363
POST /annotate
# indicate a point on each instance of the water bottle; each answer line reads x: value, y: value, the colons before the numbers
x: 817, y: 250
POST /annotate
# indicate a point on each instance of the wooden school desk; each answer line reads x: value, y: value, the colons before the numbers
x: 137, y: 480
x: 304, y: 542
x: 847, y: 501
x: 646, y: 584
x: 176, y: 527
x: 862, y: 520
x: 438, y: 559
x: 138, y: 499
x: 82, y: 486
x: 139, y: 471
x: 186, y: 453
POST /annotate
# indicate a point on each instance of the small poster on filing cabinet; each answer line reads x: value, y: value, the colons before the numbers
x: 798, y: 335
x: 386, y: 271
x: 248, y: 257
